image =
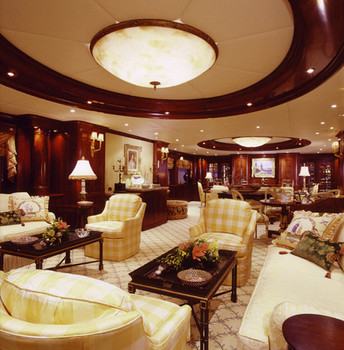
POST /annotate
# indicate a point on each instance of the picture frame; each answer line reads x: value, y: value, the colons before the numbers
x: 263, y: 167
x: 132, y: 156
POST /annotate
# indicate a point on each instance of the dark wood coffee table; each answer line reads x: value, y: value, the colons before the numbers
x: 169, y: 284
x: 38, y: 255
x: 311, y: 331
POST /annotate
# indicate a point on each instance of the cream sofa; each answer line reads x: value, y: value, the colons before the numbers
x: 41, y: 309
x: 289, y: 285
x: 31, y: 224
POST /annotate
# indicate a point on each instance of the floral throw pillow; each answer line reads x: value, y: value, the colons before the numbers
x: 287, y: 240
x: 316, y: 224
x: 33, y: 207
x: 11, y: 217
x: 318, y: 250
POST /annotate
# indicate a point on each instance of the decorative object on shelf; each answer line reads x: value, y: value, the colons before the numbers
x: 196, y: 254
x: 83, y: 172
x: 55, y: 233
x: 249, y: 142
x: 304, y: 172
x: 96, y: 137
x: 194, y: 277
x: 119, y: 187
x: 164, y: 153
x: 167, y: 53
x: 137, y: 181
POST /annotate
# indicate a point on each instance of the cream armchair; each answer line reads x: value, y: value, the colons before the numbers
x: 41, y: 309
x: 232, y: 224
x: 121, y: 224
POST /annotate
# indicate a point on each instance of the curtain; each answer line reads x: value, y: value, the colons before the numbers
x: 9, y: 139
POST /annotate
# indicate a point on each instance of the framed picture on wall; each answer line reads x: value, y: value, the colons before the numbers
x: 132, y: 156
x: 263, y: 167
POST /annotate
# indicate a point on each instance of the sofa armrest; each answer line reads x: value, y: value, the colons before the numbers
x: 51, y: 217
x: 96, y: 218
x: 134, y: 224
x: 196, y: 231
x: 250, y: 229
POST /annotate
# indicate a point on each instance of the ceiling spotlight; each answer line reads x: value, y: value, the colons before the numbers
x: 310, y: 70
x: 153, y: 52
x: 10, y: 74
x: 251, y: 141
x: 333, y: 106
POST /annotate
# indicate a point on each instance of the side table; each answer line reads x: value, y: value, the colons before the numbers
x: 86, y: 209
x: 313, y: 332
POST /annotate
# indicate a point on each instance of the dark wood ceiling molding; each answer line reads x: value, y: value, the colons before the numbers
x: 290, y: 143
x: 318, y: 42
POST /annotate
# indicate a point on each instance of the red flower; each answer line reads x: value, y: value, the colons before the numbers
x: 184, y: 246
x: 62, y: 225
x: 199, y: 250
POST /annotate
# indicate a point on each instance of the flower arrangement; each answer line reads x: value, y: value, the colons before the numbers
x: 55, y: 233
x: 192, y: 254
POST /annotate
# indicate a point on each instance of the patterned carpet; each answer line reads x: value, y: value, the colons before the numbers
x: 225, y: 316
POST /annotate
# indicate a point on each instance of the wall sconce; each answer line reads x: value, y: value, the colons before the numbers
x: 337, y: 147
x: 164, y: 153
x: 304, y: 172
x: 96, y: 137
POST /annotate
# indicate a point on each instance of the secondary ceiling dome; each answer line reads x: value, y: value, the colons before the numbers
x: 154, y: 52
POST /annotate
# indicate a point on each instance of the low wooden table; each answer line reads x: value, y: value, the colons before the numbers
x: 169, y: 284
x: 38, y: 255
x: 313, y: 332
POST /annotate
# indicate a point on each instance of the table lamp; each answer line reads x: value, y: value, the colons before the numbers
x: 83, y: 172
x: 304, y: 172
x: 208, y: 177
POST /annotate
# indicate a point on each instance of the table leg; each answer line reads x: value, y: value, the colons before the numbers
x: 39, y: 263
x: 284, y: 218
x: 2, y: 261
x: 101, y: 254
x: 67, y: 260
x: 234, y: 296
x: 131, y: 288
x: 204, y: 309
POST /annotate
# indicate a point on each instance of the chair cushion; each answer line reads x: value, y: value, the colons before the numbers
x: 110, y: 229
x: 227, y: 215
x: 123, y: 206
x: 62, y: 298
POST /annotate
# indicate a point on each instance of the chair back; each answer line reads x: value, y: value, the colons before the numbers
x: 283, y: 194
x: 200, y: 190
x: 237, y: 195
x: 315, y: 189
x: 123, y: 206
x: 227, y: 215
x: 287, y: 183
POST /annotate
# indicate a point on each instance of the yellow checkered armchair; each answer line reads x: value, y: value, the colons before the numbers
x: 121, y: 223
x: 41, y: 309
x: 232, y: 224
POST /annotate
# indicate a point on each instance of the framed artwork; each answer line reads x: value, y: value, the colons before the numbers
x: 132, y: 155
x: 263, y: 167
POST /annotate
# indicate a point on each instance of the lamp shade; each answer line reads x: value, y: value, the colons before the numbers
x: 304, y: 171
x: 82, y: 171
x: 209, y: 175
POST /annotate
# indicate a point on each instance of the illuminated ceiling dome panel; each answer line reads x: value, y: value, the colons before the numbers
x: 152, y: 53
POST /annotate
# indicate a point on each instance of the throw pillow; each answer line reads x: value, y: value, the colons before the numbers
x: 34, y: 208
x: 318, y: 250
x: 315, y: 224
x: 11, y: 217
x: 287, y: 240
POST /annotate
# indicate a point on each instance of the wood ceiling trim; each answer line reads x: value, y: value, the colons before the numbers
x: 314, y: 29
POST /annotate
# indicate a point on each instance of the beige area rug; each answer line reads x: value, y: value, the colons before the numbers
x: 225, y: 316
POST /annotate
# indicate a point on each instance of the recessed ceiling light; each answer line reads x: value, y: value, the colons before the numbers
x: 201, y: 130
x: 72, y: 110
x: 175, y: 148
x: 10, y: 74
x: 156, y: 133
x: 177, y: 140
x: 167, y: 112
x: 317, y: 133
x: 333, y: 106
x: 130, y: 130
x: 126, y: 124
x: 320, y: 149
x: 329, y: 140
x: 89, y: 102
x: 258, y: 127
x: 322, y: 123
x: 207, y: 152
x: 310, y: 70
x: 249, y: 104
x: 182, y: 145
x: 331, y: 128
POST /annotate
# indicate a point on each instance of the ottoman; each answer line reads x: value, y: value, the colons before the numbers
x: 177, y: 209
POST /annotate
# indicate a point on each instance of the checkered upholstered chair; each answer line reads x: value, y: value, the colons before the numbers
x: 121, y: 224
x: 232, y: 224
x: 41, y: 309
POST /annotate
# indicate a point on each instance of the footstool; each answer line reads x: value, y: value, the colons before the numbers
x: 177, y: 209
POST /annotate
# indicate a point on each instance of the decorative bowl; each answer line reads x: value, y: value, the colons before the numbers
x: 194, y: 277
x: 27, y: 240
x: 82, y: 232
